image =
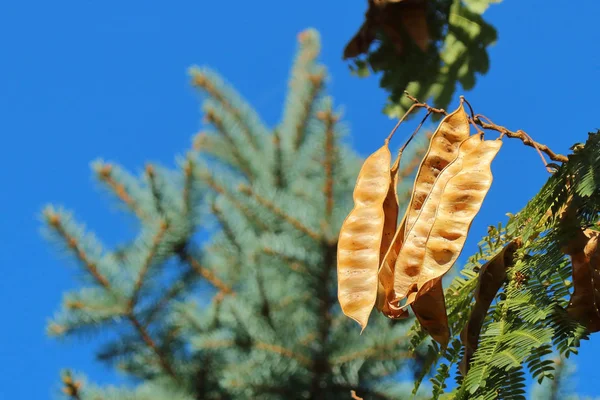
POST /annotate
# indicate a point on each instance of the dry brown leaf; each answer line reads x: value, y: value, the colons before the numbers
x: 392, y: 17
x: 584, y: 305
x: 462, y: 198
x: 491, y: 277
x: 359, y: 245
x: 409, y: 264
x: 430, y: 309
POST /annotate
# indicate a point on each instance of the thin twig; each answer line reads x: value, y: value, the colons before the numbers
x: 415, y: 132
x: 476, y: 119
x: 524, y: 137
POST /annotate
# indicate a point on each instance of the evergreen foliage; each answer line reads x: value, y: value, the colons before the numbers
x: 252, y: 312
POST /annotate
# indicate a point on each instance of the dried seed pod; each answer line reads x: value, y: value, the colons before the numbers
x: 491, y: 277
x: 460, y: 202
x: 443, y: 149
x: 584, y: 305
x: 390, y: 210
x: 360, y: 238
x: 430, y: 309
x: 410, y: 259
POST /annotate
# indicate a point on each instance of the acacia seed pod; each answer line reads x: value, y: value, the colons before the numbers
x: 443, y: 149
x: 359, y: 245
x: 410, y: 259
x: 459, y: 204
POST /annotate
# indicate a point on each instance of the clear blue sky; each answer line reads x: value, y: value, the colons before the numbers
x: 85, y: 79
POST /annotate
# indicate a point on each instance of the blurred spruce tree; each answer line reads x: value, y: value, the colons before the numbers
x: 252, y: 312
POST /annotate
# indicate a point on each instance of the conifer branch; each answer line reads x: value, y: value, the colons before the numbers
x: 188, y: 177
x: 316, y: 83
x: 54, y: 220
x: 321, y: 365
x: 156, y: 241
x: 105, y: 175
x: 279, y: 177
x: 243, y: 164
x: 330, y: 154
x: 282, y: 351
x: 201, y: 81
x: 79, y: 305
x: 207, y: 274
x: 175, y: 289
x: 71, y: 387
x: 294, y: 263
x: 156, y: 195
x: 218, y: 213
x: 209, y: 180
x: 145, y: 336
x: 279, y: 212
x: 388, y: 352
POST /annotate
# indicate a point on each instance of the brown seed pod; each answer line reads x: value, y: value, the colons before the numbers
x: 443, y: 149
x: 584, y: 305
x: 359, y: 245
x: 410, y: 259
x: 390, y: 210
x: 430, y: 309
x: 459, y: 204
x: 491, y: 277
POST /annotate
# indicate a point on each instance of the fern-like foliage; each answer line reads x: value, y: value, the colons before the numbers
x: 527, y: 322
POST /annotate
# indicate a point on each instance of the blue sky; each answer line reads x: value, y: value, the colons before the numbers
x: 86, y: 79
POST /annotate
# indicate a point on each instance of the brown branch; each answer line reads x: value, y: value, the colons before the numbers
x: 200, y: 80
x: 377, y: 353
x: 105, y: 175
x: 283, y: 352
x: 280, y: 213
x: 158, y: 237
x: 524, y: 137
x: 208, y: 275
x: 54, y: 220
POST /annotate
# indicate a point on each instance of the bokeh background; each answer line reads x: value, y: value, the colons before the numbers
x: 85, y: 79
